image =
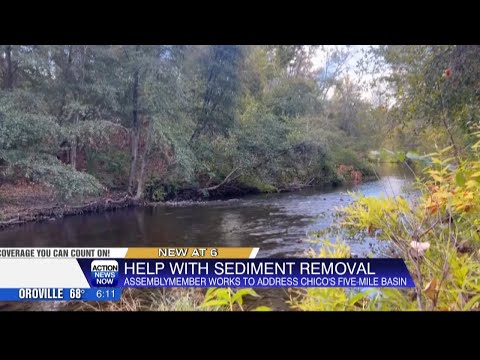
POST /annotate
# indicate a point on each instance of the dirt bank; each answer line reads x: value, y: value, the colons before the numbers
x: 25, y: 202
x: 22, y: 203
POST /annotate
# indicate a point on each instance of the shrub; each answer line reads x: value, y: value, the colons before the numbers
x: 437, y: 234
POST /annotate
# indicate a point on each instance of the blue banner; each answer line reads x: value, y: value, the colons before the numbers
x: 63, y: 294
x: 256, y: 273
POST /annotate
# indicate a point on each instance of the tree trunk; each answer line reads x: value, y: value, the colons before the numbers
x: 141, y: 176
x: 76, y: 140
x: 75, y: 124
x: 73, y: 153
x: 135, y: 134
x: 133, y: 162
x: 143, y: 165
x: 9, y: 74
x: 73, y: 148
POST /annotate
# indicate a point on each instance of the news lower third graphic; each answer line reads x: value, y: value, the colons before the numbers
x: 100, y: 274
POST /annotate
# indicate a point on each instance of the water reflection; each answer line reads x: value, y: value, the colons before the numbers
x: 277, y: 223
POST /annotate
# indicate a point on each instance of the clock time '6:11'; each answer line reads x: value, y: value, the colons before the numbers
x: 109, y: 293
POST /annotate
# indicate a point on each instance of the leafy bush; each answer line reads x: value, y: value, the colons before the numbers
x: 228, y: 299
x: 111, y: 167
x: 67, y: 182
x: 343, y: 156
x: 437, y: 235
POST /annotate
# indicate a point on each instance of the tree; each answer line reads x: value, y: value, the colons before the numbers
x: 219, y: 85
x: 293, y: 60
x: 201, y: 117
x: 435, y: 85
x: 42, y: 110
x: 153, y: 104
x: 328, y: 75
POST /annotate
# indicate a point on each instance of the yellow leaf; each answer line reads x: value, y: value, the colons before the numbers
x: 471, y: 183
x: 464, y: 207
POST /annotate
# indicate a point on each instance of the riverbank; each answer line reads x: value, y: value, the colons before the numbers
x: 35, y: 203
x: 277, y: 223
x: 23, y: 202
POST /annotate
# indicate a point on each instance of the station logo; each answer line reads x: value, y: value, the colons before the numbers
x: 104, y: 273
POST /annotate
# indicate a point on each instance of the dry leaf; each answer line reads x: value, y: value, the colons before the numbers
x: 432, y: 288
x: 370, y: 230
x: 433, y: 209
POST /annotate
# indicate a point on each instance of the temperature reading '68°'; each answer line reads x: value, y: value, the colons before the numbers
x: 76, y: 293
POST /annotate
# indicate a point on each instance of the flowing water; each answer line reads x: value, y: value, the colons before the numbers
x: 278, y: 224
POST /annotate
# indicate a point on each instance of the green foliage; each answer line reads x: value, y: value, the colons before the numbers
x: 292, y: 98
x: 157, y: 191
x: 436, y: 91
x: 110, y: 166
x: 28, y: 142
x: 169, y: 117
x: 283, y: 138
x: 228, y: 299
x: 438, y: 235
x: 186, y: 115
x: 218, y: 72
x: 98, y: 134
x: 24, y: 125
x: 349, y: 157
x: 68, y: 183
x: 256, y: 183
